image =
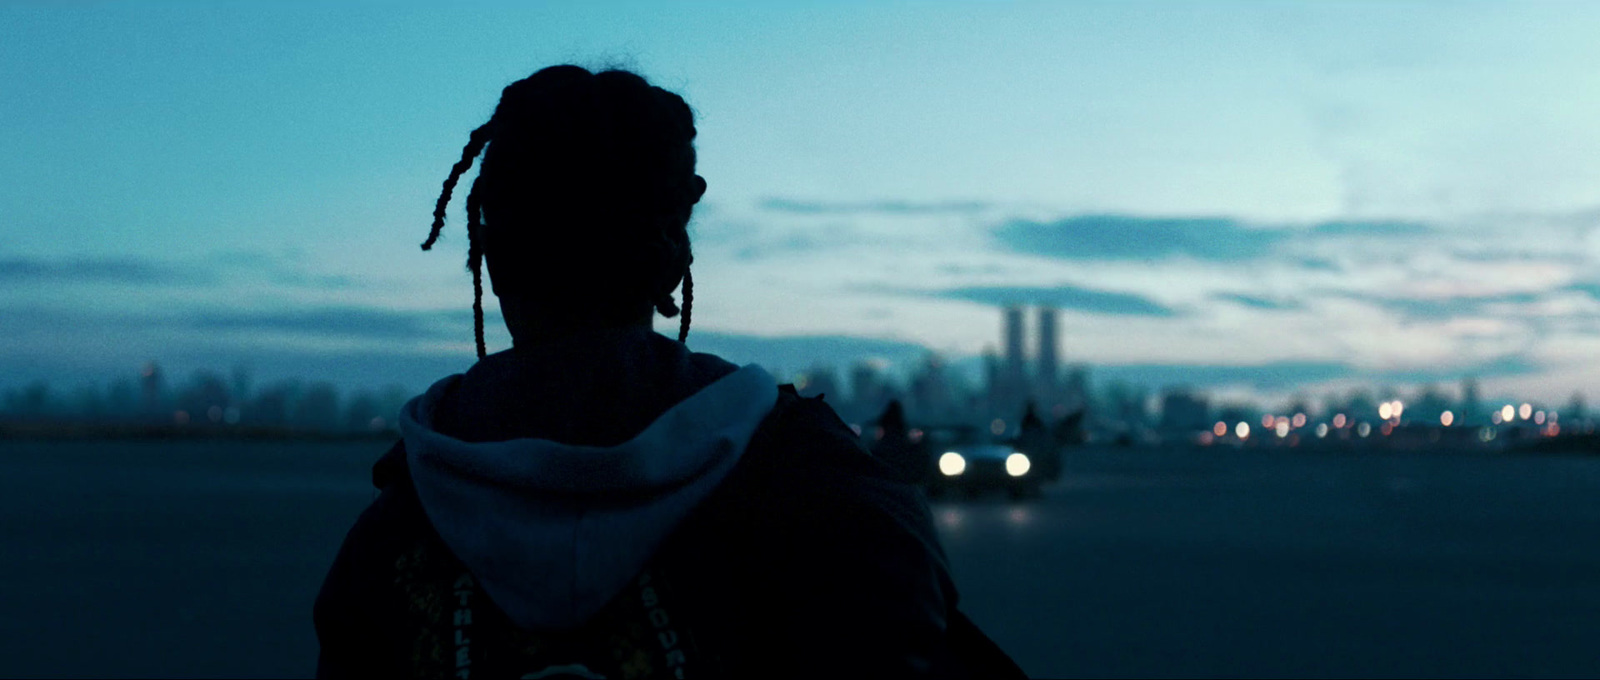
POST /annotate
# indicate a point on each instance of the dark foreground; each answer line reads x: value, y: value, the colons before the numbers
x: 202, y: 558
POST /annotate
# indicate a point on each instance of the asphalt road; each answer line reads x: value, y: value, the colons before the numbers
x: 202, y: 559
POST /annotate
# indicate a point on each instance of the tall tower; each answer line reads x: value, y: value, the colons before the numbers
x: 1049, y: 369
x: 1014, y: 375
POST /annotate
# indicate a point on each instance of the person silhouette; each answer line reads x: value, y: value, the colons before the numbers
x: 598, y: 500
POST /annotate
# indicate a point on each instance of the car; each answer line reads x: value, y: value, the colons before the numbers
x: 966, y: 459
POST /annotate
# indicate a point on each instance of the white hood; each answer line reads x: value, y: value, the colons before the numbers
x: 553, y: 531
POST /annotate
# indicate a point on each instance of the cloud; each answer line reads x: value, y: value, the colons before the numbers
x: 1269, y: 376
x: 1372, y: 228
x: 1216, y: 239
x: 1060, y: 296
x: 799, y: 207
x: 1255, y: 302
x: 124, y: 271
x: 1124, y: 237
x: 1503, y: 366
x: 1282, y: 375
x: 330, y: 322
x: 1318, y: 264
x: 799, y: 352
x: 1446, y: 308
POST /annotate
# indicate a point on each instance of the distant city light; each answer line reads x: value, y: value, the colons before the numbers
x: 1267, y: 421
x: 1299, y: 420
x: 1554, y: 429
x: 915, y: 435
x: 1338, y: 420
x: 1496, y: 418
x: 1486, y: 433
x: 1363, y: 429
x: 1322, y: 430
x: 1384, y: 411
x: 952, y: 464
x: 1282, y: 428
x: 1220, y: 429
x: 1206, y: 438
x: 1538, y: 417
x: 1526, y: 411
x: 1447, y: 418
x: 998, y: 427
x: 1242, y: 429
x: 1397, y: 408
x: 1508, y: 413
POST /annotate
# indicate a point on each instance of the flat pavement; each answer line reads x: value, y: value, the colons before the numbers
x: 202, y: 558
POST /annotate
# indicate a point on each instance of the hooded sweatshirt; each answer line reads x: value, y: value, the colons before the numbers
x: 554, y: 472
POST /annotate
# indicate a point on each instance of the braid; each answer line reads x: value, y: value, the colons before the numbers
x: 475, y: 144
x: 475, y: 261
x: 688, y: 304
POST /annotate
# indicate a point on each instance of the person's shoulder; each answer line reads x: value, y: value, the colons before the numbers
x: 806, y: 468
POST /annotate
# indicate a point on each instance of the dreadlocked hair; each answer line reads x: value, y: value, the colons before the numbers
x: 583, y: 198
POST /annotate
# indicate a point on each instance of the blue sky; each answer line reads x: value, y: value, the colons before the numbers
x: 1342, y: 193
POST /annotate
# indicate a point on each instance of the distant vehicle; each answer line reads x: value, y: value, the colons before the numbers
x: 966, y: 459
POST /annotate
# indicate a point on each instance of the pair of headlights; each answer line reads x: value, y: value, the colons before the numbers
x: 953, y: 464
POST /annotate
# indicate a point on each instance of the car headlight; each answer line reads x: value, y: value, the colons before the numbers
x: 1017, y: 464
x: 952, y: 464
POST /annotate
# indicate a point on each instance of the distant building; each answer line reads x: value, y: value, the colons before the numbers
x: 152, y: 389
x: 1183, y: 411
x: 1471, y: 402
x: 1047, y: 380
x: 1014, y: 371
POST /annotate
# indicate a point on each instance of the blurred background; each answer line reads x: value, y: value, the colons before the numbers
x: 1303, y: 295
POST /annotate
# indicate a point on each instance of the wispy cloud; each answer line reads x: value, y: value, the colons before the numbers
x: 1062, y: 297
x: 804, y: 207
x: 1216, y: 239
x: 1449, y: 307
x: 797, y: 352
x: 328, y: 322
x: 1371, y: 228
x: 1256, y: 302
x: 123, y: 271
x: 1123, y: 237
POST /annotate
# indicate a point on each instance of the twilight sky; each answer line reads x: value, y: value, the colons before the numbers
x: 1254, y: 197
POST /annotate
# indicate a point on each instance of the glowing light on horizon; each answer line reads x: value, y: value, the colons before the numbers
x: 1363, y: 429
x: 1299, y: 420
x: 1242, y: 430
x: 1220, y: 429
x: 1322, y: 430
x: 1282, y: 428
x: 1447, y: 418
x: 1538, y: 417
x: 1508, y: 413
x: 1384, y: 411
x: 1526, y: 411
x: 1338, y: 420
